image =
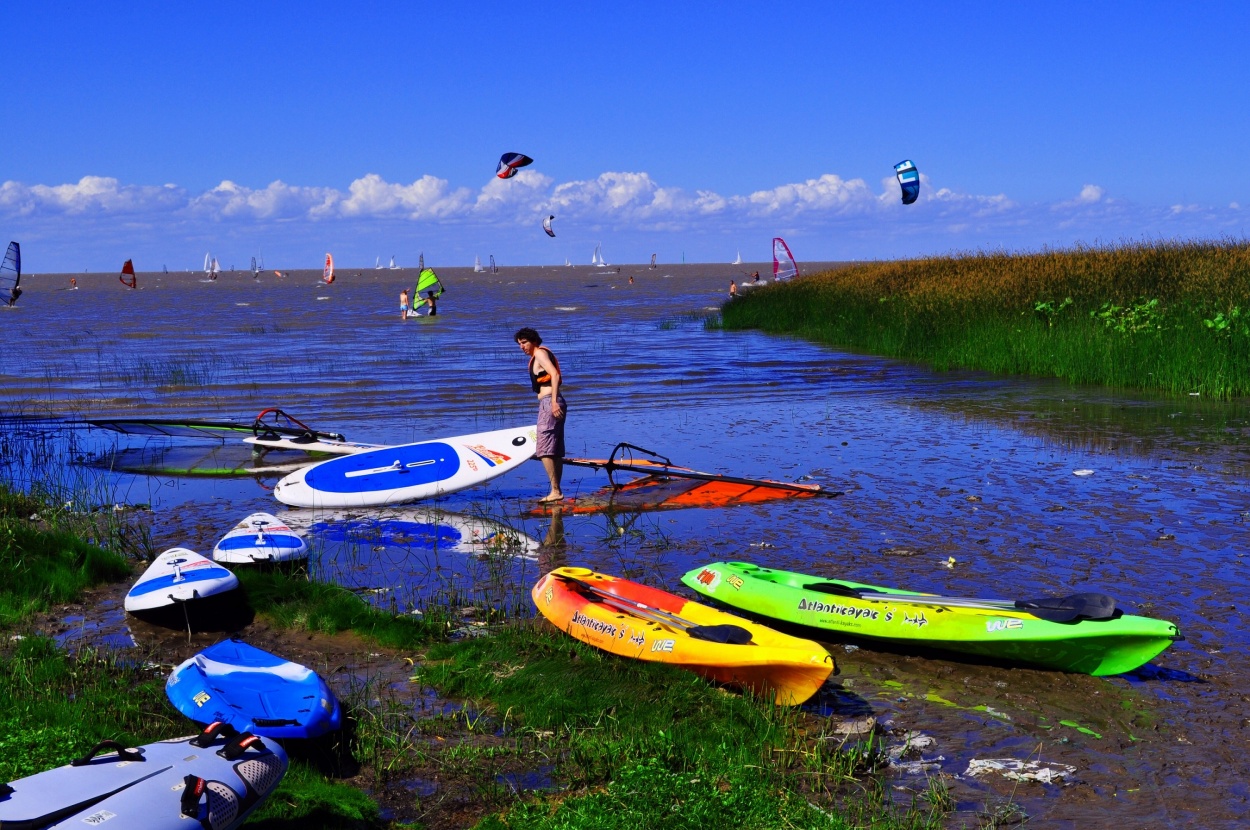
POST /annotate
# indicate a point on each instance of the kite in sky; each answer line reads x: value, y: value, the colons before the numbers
x: 509, y: 163
x: 909, y: 180
x: 547, y: 226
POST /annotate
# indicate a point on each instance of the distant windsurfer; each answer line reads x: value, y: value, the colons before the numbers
x: 545, y: 380
x: 403, y: 304
x: 431, y: 301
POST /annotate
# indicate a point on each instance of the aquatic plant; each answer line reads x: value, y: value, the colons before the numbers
x: 1147, y: 315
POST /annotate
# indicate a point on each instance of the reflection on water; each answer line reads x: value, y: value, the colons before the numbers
x: 937, y: 465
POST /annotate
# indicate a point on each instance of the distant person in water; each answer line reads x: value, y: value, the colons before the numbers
x: 545, y: 380
x: 432, y: 302
x: 631, y: 279
x: 733, y: 289
x: 73, y: 282
x: 403, y: 304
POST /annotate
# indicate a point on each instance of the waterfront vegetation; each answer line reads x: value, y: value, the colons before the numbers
x: 610, y: 743
x: 1166, y: 316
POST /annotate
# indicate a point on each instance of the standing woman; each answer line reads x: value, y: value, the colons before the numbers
x: 545, y: 379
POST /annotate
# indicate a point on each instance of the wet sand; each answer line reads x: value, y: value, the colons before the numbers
x: 934, y: 466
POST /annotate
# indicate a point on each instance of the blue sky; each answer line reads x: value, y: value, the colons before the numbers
x: 161, y: 131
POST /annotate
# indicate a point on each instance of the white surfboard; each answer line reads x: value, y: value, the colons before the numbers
x: 178, y: 575
x: 409, y: 472
x: 260, y: 537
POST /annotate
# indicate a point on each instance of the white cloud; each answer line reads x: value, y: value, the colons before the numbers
x: 1089, y: 194
x: 844, y: 216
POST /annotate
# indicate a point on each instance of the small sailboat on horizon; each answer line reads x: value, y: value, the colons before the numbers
x: 377, y: 263
x: 393, y: 266
x: 737, y: 261
x: 597, y: 259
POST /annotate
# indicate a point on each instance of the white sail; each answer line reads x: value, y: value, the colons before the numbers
x: 393, y: 266
x: 597, y: 259
x: 377, y: 263
x: 208, y: 260
x: 477, y: 265
x: 738, y: 261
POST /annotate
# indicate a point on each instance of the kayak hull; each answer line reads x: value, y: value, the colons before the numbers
x: 1095, y: 647
x: 595, y: 608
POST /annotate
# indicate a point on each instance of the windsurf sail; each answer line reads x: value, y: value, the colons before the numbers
x: 547, y: 226
x: 127, y: 276
x: 327, y: 273
x: 255, y: 269
x: 658, y: 484
x: 11, y: 274
x: 214, y: 269
x: 908, y: 180
x: 493, y: 268
x: 509, y: 163
x: 653, y: 260
x: 208, y: 261
x: 784, y: 266
x: 420, y: 261
x: 427, y: 281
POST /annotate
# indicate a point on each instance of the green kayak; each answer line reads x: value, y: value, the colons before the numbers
x: 1082, y: 633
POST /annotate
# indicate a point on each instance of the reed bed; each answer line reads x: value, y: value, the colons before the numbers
x: 1167, y: 316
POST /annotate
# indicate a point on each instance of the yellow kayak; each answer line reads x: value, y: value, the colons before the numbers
x: 644, y: 623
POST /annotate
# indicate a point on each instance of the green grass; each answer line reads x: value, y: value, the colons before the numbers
x: 293, y: 601
x: 647, y: 745
x: 1166, y: 316
x: 43, y: 568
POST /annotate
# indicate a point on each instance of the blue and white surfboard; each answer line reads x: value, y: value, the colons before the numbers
x: 253, y: 691
x: 178, y: 575
x: 260, y: 538
x: 409, y: 472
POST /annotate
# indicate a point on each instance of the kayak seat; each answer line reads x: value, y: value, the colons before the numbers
x: 1084, y: 606
x: 734, y: 635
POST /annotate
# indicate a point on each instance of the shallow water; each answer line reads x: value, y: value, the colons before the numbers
x: 934, y: 466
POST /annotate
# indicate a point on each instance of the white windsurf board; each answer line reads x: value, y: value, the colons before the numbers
x: 178, y: 575
x: 408, y: 472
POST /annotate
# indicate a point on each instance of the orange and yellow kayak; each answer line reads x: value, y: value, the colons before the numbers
x: 633, y: 620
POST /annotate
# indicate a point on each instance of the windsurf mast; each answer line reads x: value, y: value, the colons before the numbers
x: 11, y: 274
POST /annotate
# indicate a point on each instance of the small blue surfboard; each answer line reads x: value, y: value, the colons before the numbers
x: 253, y: 691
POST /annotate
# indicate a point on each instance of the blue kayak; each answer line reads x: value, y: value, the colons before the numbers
x: 253, y: 691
